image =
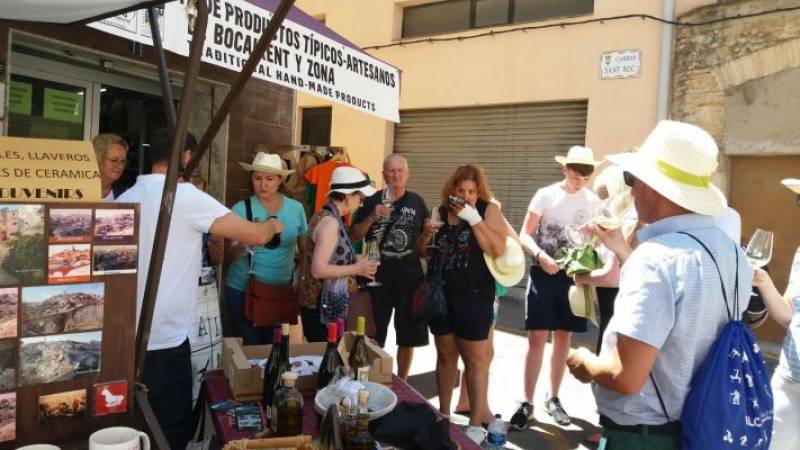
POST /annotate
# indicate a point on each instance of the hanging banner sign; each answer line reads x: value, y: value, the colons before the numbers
x: 48, y: 170
x: 304, y: 56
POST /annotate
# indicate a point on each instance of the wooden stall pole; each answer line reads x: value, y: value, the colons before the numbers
x: 236, y: 88
x: 140, y: 397
x: 163, y: 74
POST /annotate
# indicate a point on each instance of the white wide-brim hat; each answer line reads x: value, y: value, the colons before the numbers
x: 792, y: 183
x: 268, y: 163
x: 508, y: 268
x: 347, y: 180
x: 578, y: 155
x: 583, y: 301
x: 677, y: 160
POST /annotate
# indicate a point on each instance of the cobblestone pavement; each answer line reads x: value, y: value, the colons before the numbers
x: 505, y: 385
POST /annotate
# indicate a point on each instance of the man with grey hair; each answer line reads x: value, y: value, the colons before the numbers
x: 396, y: 227
x: 112, y: 158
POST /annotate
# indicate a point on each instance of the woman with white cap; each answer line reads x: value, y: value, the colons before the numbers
x: 785, y: 310
x: 332, y: 258
x: 271, y: 264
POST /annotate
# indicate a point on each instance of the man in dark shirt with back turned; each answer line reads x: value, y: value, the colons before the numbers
x: 396, y: 227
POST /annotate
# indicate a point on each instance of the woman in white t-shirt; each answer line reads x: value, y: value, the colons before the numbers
x: 785, y: 310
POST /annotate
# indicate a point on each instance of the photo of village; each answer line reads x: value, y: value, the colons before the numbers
x: 22, y: 256
x: 59, y: 357
x: 8, y: 369
x: 70, y: 225
x: 61, y: 309
x: 114, y: 259
x: 113, y: 224
x: 9, y: 301
x: 62, y: 407
x: 68, y: 263
x: 8, y: 416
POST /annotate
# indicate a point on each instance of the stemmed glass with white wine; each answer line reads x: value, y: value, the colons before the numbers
x: 759, y: 249
x: 373, y: 254
x: 387, y: 197
x: 436, y: 222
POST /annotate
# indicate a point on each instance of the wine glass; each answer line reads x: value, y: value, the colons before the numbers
x: 387, y: 197
x: 374, y: 254
x: 436, y: 222
x: 759, y: 249
x: 607, y: 220
x: 575, y: 237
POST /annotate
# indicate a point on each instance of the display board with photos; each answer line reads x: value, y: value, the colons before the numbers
x: 67, y: 319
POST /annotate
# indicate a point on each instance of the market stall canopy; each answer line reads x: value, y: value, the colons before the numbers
x: 306, y: 55
x: 61, y: 11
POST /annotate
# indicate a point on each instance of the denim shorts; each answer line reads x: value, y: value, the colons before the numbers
x: 470, y: 316
x: 547, y: 306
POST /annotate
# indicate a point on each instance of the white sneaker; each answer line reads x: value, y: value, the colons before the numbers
x: 476, y: 434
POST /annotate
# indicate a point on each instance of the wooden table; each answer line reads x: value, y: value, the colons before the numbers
x: 217, y: 389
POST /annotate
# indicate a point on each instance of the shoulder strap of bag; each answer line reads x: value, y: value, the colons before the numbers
x: 724, y: 296
x: 248, y: 211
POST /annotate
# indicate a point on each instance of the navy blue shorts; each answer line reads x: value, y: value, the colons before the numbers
x: 469, y: 316
x: 547, y: 307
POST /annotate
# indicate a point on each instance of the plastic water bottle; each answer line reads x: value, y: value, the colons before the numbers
x: 496, y: 436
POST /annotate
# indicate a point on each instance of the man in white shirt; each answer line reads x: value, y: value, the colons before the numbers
x: 168, y: 369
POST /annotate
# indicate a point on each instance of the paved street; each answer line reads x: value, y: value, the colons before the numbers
x: 505, y: 388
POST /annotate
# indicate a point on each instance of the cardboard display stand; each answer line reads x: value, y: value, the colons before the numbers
x: 66, y: 307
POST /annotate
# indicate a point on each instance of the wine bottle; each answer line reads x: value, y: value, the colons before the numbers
x: 282, y: 365
x: 288, y: 407
x: 359, y: 357
x: 269, y: 368
x: 331, y: 360
x: 362, y: 439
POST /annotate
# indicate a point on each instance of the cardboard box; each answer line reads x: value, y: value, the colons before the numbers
x: 247, y: 382
x: 382, y: 364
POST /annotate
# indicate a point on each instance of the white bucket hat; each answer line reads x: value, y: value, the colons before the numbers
x: 583, y: 301
x: 677, y: 160
x: 508, y: 268
x: 792, y: 183
x: 347, y: 180
x: 268, y: 163
x: 578, y: 155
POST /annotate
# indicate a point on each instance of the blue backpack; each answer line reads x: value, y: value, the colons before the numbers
x: 730, y: 403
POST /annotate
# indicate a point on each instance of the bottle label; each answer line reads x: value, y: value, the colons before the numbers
x: 362, y: 374
x: 496, y: 439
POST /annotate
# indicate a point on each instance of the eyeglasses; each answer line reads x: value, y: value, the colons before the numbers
x: 117, y: 162
x: 630, y: 180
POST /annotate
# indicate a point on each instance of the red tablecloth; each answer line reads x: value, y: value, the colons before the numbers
x: 217, y: 389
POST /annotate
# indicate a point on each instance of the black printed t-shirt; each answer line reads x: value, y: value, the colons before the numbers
x: 398, y: 236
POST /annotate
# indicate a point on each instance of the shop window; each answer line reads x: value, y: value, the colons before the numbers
x: 45, y: 109
x: 316, y: 126
x: 458, y: 15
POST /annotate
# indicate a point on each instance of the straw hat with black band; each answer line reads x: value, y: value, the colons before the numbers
x: 677, y: 160
x: 347, y: 180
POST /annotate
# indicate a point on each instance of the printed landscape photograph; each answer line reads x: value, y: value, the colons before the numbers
x: 61, y: 407
x: 69, y: 263
x: 113, y: 224
x: 114, y: 259
x: 70, y: 225
x: 9, y: 302
x: 60, y: 357
x: 67, y: 308
x: 8, y: 368
x: 22, y: 253
x: 8, y: 416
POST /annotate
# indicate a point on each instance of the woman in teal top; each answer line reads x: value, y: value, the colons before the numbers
x: 268, y: 265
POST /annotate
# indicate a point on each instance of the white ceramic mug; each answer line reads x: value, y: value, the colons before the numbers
x: 119, y: 438
x: 39, y: 447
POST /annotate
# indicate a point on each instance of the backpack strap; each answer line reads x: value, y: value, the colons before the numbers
x: 724, y: 296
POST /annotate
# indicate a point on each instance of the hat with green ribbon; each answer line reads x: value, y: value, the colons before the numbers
x: 677, y: 160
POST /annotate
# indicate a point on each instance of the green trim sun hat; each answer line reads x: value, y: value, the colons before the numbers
x: 677, y: 160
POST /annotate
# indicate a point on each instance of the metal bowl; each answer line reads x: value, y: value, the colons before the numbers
x: 381, y: 400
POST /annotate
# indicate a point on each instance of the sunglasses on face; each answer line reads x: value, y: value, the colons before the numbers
x: 630, y: 180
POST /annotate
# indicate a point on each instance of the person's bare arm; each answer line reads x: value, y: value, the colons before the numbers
x: 491, y: 232
x: 325, y: 237
x: 780, y: 308
x: 529, y: 225
x: 233, y: 227
x: 624, y: 369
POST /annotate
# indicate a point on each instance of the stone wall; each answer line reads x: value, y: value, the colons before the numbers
x: 709, y: 60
